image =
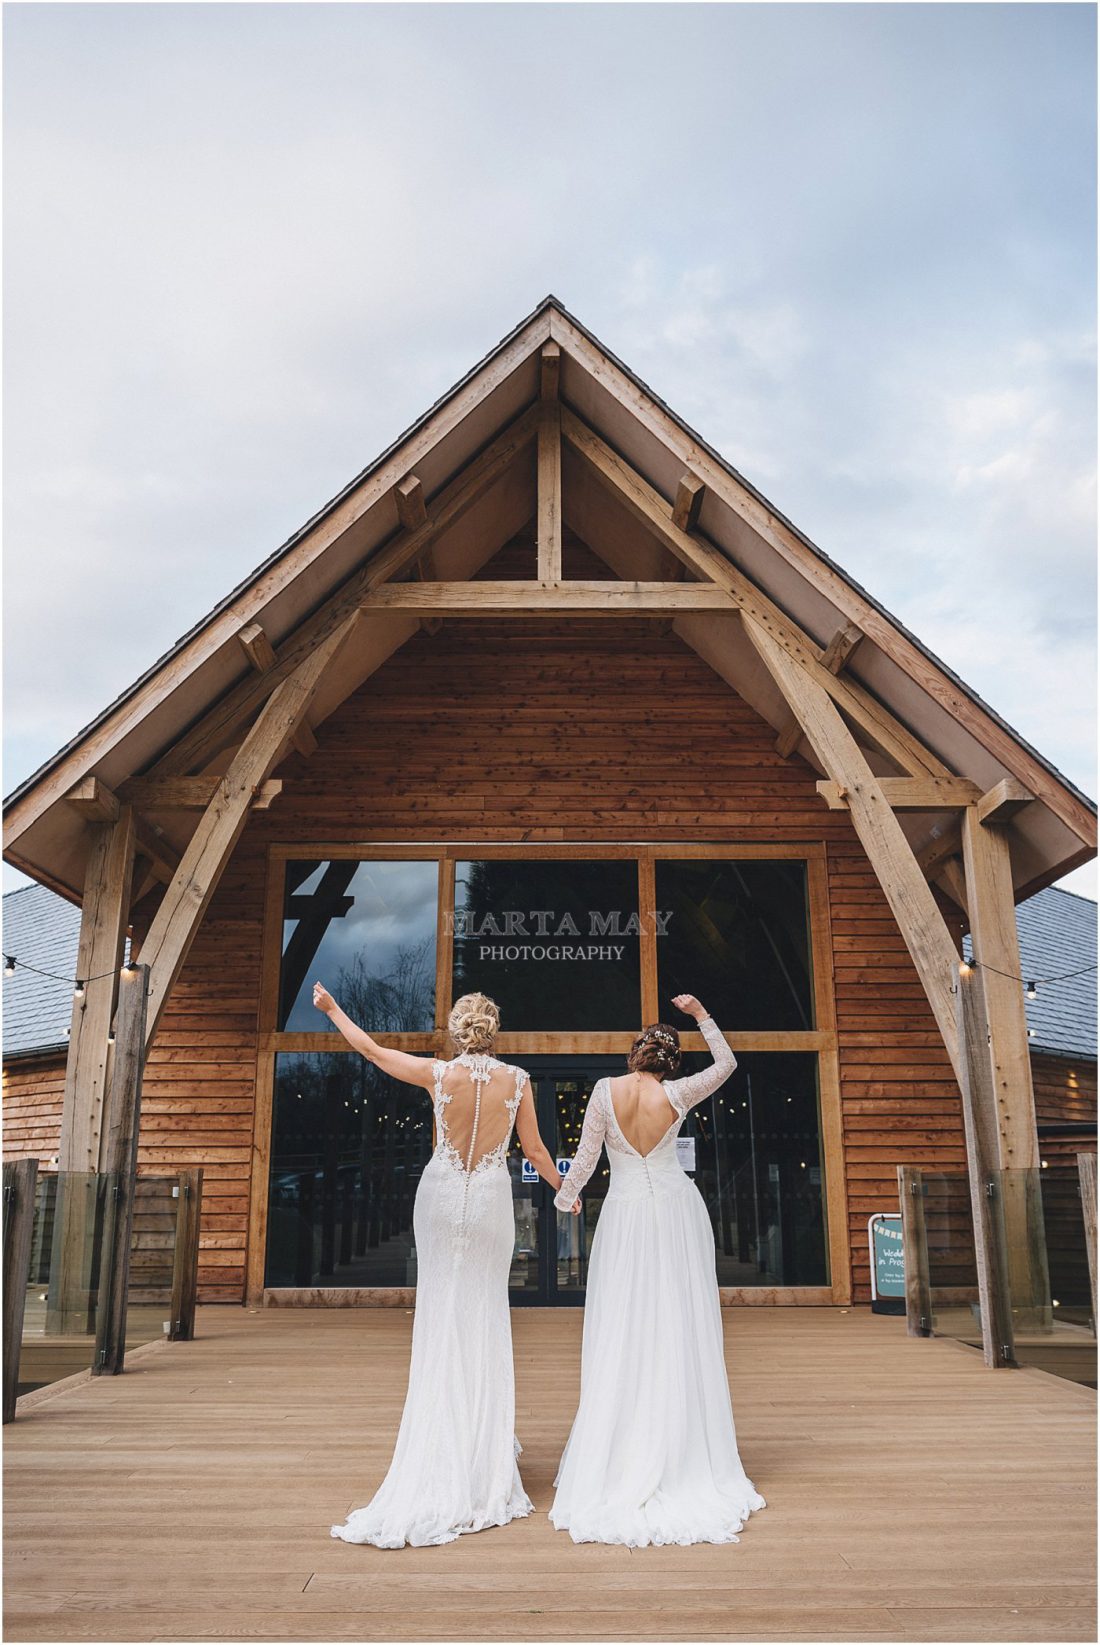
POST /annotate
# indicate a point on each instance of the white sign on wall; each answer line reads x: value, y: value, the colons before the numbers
x: 685, y: 1152
x: 528, y: 1174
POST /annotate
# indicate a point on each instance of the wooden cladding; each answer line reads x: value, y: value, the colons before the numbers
x: 538, y: 733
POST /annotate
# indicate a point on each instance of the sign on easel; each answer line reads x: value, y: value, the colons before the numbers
x: 887, y: 1263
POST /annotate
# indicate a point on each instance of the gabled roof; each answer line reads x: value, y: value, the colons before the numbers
x: 45, y: 837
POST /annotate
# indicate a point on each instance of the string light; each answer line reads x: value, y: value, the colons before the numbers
x: 1032, y: 986
x: 78, y: 984
x: 78, y: 991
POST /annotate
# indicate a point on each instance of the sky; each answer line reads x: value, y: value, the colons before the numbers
x: 852, y: 245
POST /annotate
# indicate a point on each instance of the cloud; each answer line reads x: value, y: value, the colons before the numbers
x: 853, y: 246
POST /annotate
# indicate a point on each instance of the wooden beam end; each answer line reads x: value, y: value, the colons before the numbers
x: 688, y: 501
x: 549, y: 371
x: 94, y: 800
x: 412, y: 506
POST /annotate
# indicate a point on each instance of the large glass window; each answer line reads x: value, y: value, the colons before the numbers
x: 758, y: 1163
x: 736, y: 934
x: 348, y: 1145
x: 367, y: 930
x: 556, y: 944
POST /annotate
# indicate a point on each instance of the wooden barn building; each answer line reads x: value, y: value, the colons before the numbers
x: 550, y: 702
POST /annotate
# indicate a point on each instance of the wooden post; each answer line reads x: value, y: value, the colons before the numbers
x: 990, y: 1258
x: 185, y: 1266
x: 108, y: 877
x: 992, y: 911
x: 19, y: 1182
x: 549, y: 493
x: 123, y: 1121
x: 914, y: 1245
x: 1086, y: 1170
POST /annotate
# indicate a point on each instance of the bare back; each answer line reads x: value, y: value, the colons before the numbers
x: 643, y: 1111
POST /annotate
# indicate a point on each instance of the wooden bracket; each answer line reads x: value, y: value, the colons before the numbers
x: 688, y: 501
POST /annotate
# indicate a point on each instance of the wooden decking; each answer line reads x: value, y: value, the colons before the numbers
x: 912, y: 1494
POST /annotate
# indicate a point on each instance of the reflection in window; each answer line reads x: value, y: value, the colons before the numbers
x: 348, y: 1145
x: 554, y: 943
x: 738, y: 938
x: 758, y: 1165
x: 367, y: 931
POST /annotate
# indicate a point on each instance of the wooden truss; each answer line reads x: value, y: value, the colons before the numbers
x: 267, y: 713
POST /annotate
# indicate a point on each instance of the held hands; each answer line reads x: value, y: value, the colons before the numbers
x: 322, y: 999
x: 689, y: 1005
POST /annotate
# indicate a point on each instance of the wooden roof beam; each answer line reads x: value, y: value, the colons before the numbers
x: 589, y: 599
x: 646, y: 504
x: 176, y: 921
x: 412, y: 509
x: 549, y: 371
x: 1003, y: 800
x: 94, y: 800
x: 549, y: 495
x: 838, y: 653
x: 879, y: 627
x: 261, y: 654
x: 687, y: 502
x: 911, y: 793
x: 789, y: 738
x: 218, y: 728
x: 159, y: 853
x: 947, y: 842
x: 257, y: 647
x: 188, y: 793
x: 907, y: 891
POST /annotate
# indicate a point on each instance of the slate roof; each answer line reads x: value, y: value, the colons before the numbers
x: 43, y: 930
x: 1057, y: 931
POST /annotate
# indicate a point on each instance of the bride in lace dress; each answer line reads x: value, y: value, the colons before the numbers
x: 652, y: 1456
x: 454, y: 1465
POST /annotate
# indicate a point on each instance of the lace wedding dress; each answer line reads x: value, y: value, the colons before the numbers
x: 454, y: 1465
x: 652, y: 1456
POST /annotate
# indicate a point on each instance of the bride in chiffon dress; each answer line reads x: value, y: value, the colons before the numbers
x: 454, y: 1467
x: 652, y: 1456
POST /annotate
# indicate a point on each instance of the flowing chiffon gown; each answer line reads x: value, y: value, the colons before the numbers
x: 652, y: 1456
x: 454, y: 1466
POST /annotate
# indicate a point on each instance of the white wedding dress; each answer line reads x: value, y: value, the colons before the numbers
x: 454, y: 1465
x: 652, y: 1456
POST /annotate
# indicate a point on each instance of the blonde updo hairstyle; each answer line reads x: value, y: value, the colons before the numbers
x: 655, y: 1051
x: 473, y: 1022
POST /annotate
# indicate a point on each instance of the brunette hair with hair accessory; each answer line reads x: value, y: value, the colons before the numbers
x: 655, y: 1051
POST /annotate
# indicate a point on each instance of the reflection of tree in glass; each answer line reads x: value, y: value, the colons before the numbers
x: 401, y: 1002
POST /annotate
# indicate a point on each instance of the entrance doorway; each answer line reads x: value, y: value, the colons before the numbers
x: 550, y: 1263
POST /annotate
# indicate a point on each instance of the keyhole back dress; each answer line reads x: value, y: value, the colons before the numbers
x: 454, y: 1466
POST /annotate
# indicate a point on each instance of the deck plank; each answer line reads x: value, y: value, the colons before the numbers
x: 913, y: 1495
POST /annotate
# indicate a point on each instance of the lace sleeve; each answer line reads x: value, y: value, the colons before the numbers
x: 685, y: 1093
x: 587, y: 1157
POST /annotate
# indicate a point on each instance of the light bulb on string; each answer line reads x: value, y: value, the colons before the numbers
x: 1031, y: 991
x: 9, y: 965
x: 78, y: 989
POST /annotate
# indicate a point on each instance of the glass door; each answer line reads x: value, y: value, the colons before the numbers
x: 550, y: 1262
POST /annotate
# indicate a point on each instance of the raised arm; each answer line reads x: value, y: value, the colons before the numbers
x: 402, y: 1065
x: 694, y: 1088
x: 587, y: 1157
